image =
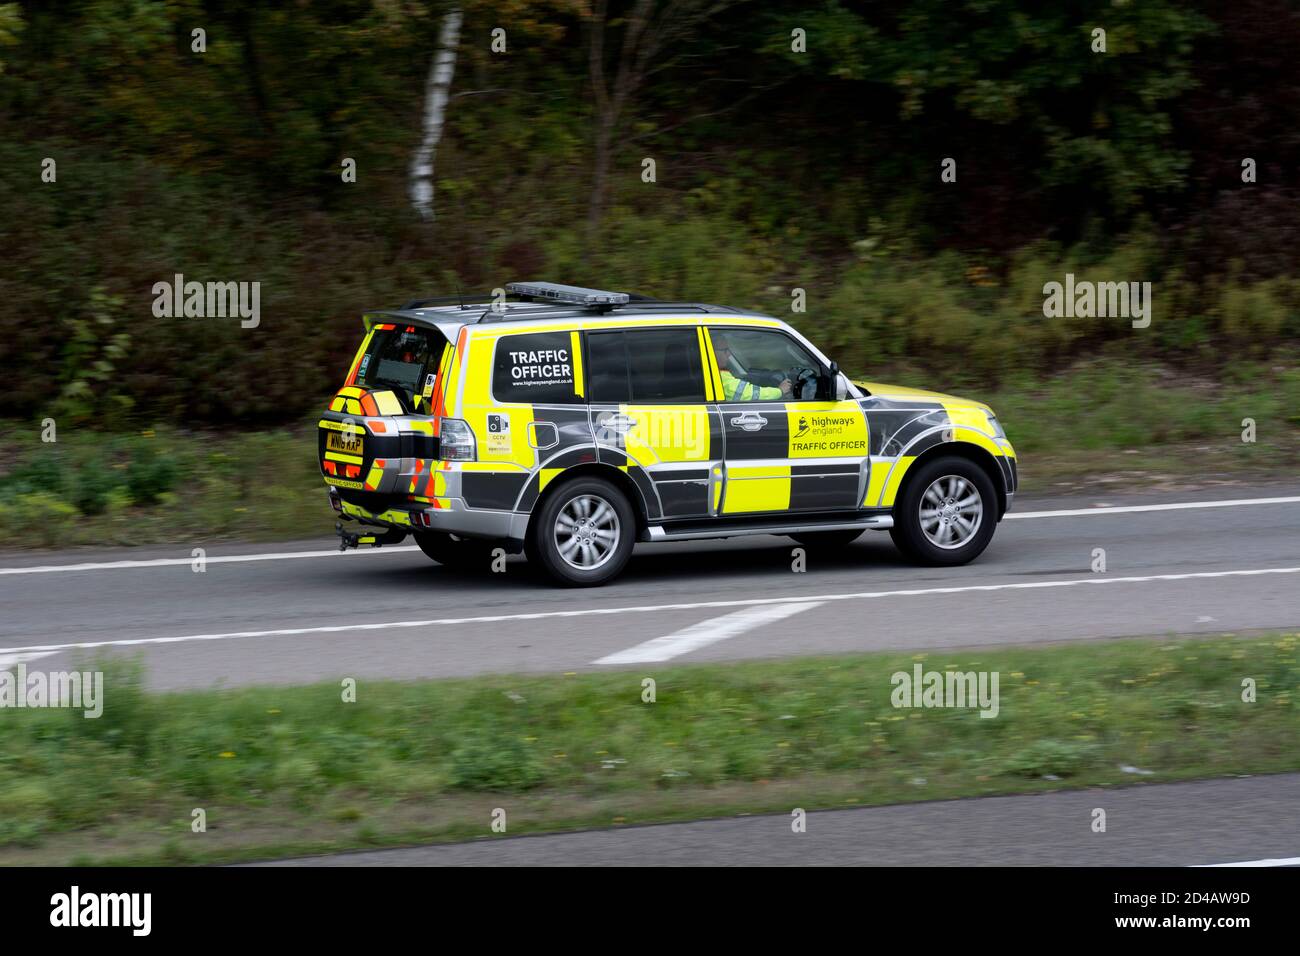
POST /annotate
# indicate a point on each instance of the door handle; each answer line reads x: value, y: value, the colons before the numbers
x: 619, y: 422
x: 750, y: 421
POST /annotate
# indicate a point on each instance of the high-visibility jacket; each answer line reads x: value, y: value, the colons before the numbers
x: 738, y: 390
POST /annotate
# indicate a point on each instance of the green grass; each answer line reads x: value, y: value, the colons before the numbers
x: 295, y: 769
x: 163, y: 485
x: 1100, y: 421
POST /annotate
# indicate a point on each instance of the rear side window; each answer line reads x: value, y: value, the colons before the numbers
x: 646, y: 367
x: 536, y: 367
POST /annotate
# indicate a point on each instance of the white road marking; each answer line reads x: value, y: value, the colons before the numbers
x: 218, y: 559
x: 705, y: 633
x: 8, y: 661
x: 401, y: 549
x: 653, y: 608
x: 1175, y: 506
x: 1285, y: 861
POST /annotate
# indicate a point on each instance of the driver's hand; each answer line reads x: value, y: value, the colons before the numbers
x: 786, y: 386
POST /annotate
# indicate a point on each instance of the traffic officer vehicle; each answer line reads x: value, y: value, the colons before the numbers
x: 570, y: 423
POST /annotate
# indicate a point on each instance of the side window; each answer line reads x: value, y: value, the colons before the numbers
x: 664, y: 366
x: 763, y: 365
x: 646, y: 367
x: 536, y: 367
x: 607, y: 374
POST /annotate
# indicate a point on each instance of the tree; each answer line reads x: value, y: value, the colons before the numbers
x: 436, y: 92
x: 651, y: 34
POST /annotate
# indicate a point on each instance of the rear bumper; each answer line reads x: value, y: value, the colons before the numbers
x: 452, y: 516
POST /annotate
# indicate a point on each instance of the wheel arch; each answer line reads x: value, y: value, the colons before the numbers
x: 616, y: 476
x: 959, y: 449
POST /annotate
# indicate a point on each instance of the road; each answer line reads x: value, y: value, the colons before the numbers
x: 1200, y: 823
x: 300, y: 612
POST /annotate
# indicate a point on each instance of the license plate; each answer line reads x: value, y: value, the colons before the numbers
x: 347, y: 442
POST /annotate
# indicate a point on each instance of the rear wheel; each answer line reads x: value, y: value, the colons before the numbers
x: 583, y: 532
x: 828, y: 540
x: 469, y: 554
x: 947, y: 512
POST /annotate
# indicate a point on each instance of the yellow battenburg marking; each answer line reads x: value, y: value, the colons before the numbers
x: 361, y: 350
x: 337, y: 404
x: 348, y: 459
x: 545, y: 476
x: 712, y: 366
x: 876, y: 483
x: 707, y: 365
x: 453, y: 382
x: 759, y: 471
x: 756, y: 494
x: 575, y: 351
x: 895, y: 479
x: 387, y: 403
x: 666, y: 433
x: 501, y: 446
x: 353, y: 407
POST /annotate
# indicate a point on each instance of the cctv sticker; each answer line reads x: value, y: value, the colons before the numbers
x: 498, y: 435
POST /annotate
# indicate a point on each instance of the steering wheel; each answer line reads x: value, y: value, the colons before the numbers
x: 803, y: 381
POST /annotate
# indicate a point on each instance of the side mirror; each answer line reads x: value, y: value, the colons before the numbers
x: 836, y: 388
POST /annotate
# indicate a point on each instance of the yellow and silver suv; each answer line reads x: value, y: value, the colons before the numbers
x: 570, y: 423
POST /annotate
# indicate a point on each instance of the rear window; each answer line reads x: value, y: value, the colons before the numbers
x: 400, y: 358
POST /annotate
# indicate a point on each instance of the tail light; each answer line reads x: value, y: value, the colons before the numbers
x: 455, y: 440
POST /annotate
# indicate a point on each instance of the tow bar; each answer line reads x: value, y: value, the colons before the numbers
x: 373, y: 539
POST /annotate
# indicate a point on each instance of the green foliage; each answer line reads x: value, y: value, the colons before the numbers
x: 816, y: 170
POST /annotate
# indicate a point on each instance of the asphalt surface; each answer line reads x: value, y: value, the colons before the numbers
x: 392, y: 613
x: 1201, y: 823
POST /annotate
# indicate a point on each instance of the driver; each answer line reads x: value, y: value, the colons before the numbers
x: 737, y: 389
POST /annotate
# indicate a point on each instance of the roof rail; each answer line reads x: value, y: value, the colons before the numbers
x: 476, y: 298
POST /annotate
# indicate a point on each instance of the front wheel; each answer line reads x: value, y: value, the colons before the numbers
x: 947, y: 513
x: 582, y: 535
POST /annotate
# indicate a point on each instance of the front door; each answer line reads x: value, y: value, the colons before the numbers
x: 786, y: 450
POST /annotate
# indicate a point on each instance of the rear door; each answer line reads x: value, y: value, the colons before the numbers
x: 790, y: 452
x: 649, y: 401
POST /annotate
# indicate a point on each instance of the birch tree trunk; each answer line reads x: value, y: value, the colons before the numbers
x: 436, y: 92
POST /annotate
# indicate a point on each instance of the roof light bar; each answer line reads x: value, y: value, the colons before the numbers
x: 571, y: 294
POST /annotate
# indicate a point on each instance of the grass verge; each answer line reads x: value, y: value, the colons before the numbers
x: 290, y: 770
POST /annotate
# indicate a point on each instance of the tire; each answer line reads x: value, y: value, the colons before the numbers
x: 596, y: 553
x: 463, y: 554
x: 828, y: 540
x: 947, y: 535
